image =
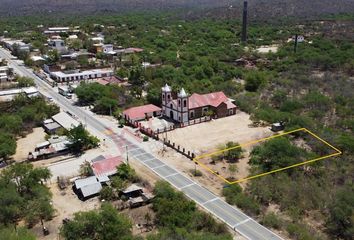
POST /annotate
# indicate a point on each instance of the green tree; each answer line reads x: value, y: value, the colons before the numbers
x: 107, y: 193
x: 9, y: 233
x: 24, y: 194
x: 11, y: 123
x: 234, y: 195
x: 11, y: 203
x: 106, y: 105
x: 80, y: 139
x: 7, y: 145
x: 105, y: 223
x: 255, y: 80
x: 340, y: 222
x: 233, y: 154
x: 126, y: 172
x: 277, y: 153
x: 53, y: 56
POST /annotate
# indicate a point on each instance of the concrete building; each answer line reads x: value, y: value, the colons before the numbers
x: 59, y: 45
x: 11, y: 44
x: 77, y: 75
x: 10, y: 94
x: 58, y: 30
x: 4, y: 71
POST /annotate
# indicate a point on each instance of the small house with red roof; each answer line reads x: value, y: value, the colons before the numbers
x: 106, y: 166
x: 142, y: 112
x: 189, y: 107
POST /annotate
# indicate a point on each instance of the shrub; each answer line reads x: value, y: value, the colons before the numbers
x: 272, y: 220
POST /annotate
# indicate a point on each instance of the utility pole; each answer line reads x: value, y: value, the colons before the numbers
x: 244, y: 23
x: 126, y: 149
x: 295, y: 43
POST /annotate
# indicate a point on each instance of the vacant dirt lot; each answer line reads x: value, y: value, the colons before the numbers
x: 28, y: 144
x: 205, y: 137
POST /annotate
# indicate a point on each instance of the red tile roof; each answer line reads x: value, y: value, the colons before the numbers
x: 113, y: 79
x: 106, y: 167
x: 211, y: 99
x: 140, y: 112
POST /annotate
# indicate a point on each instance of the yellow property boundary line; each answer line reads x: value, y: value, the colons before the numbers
x: 338, y: 152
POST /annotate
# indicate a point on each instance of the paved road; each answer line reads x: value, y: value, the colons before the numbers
x: 230, y: 215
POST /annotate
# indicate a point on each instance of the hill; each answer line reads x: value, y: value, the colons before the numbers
x: 260, y: 9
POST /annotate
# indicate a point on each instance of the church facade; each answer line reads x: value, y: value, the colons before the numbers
x: 182, y: 107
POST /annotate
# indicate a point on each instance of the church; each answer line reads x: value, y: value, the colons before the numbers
x: 182, y: 107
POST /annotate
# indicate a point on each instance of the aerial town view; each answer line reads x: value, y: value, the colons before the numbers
x: 177, y: 120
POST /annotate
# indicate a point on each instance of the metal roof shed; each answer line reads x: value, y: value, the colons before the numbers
x: 91, y: 190
x: 79, y: 183
x: 65, y: 120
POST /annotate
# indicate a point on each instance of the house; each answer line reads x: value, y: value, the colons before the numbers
x: 65, y: 120
x: 4, y: 70
x: 87, y: 187
x: 108, y: 49
x: 136, y: 195
x: 276, y: 127
x: 106, y: 166
x: 51, y: 127
x: 77, y: 75
x: 113, y: 80
x: 188, y: 107
x: 55, y: 146
x: 58, y: 30
x: 142, y: 112
x: 300, y: 38
x: 59, y: 45
x: 8, y: 95
x: 16, y: 44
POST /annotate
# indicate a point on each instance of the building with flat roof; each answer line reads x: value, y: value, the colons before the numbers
x: 68, y: 76
x: 9, y: 94
x: 65, y: 120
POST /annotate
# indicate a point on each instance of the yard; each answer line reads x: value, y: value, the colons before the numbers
x: 206, y: 137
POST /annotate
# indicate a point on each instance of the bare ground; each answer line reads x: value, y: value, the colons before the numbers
x: 205, y: 137
x: 66, y: 203
x: 28, y: 144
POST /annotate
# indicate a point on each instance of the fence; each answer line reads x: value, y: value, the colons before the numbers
x: 155, y: 135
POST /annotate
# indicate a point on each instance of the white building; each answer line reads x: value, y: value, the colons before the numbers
x: 58, y: 44
x: 300, y: 38
x: 80, y: 75
x: 176, y: 109
x: 108, y: 49
x: 3, y: 74
x: 21, y: 46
